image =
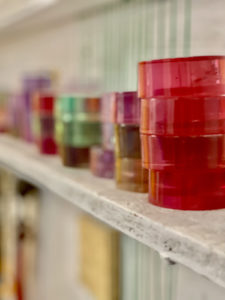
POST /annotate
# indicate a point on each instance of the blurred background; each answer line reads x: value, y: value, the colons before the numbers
x: 97, y: 43
x: 91, y: 47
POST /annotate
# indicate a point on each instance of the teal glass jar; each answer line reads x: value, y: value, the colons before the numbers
x: 81, y: 128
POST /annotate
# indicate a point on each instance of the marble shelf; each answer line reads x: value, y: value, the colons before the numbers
x: 195, y: 239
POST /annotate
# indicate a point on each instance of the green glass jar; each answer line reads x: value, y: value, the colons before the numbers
x: 81, y: 128
x: 81, y: 134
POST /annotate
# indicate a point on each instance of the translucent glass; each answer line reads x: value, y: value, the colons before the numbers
x: 74, y: 156
x: 81, y: 134
x: 102, y: 162
x: 47, y: 144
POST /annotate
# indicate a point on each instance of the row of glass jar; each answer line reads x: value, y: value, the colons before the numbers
x: 179, y: 151
x: 82, y: 130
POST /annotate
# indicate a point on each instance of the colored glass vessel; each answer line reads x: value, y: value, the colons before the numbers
x: 108, y: 118
x: 43, y: 123
x: 130, y: 175
x: 102, y: 162
x: 102, y: 158
x: 31, y: 85
x: 74, y: 156
x: 81, y: 128
x: 182, y: 131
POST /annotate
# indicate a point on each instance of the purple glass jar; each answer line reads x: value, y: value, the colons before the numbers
x: 31, y: 85
x: 102, y: 162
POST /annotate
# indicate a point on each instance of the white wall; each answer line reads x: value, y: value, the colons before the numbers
x: 106, y: 47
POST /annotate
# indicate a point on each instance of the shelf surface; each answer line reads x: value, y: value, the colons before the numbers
x: 195, y: 239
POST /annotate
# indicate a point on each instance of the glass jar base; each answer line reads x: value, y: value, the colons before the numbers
x: 198, y: 189
x: 47, y: 146
x: 75, y: 157
x: 131, y: 176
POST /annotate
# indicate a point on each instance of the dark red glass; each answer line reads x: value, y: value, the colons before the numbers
x: 168, y: 152
x: 44, y: 105
x: 47, y: 144
x: 183, y: 115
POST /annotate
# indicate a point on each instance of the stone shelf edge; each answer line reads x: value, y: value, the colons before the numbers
x: 195, y: 239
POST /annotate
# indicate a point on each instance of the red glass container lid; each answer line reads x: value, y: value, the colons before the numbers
x: 200, y: 75
x: 128, y: 108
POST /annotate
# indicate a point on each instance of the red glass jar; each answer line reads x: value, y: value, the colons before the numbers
x: 183, y: 131
x: 46, y: 141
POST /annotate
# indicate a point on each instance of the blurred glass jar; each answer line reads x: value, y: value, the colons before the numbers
x: 4, y: 111
x: 43, y: 122
x: 130, y: 175
x: 108, y: 118
x: 81, y: 128
x: 102, y: 162
x: 58, y: 131
x: 32, y: 84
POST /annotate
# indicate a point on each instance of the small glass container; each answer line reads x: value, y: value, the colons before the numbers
x: 108, y: 118
x: 183, y: 132
x: 46, y: 140
x: 102, y: 162
x: 81, y: 128
x: 130, y: 175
